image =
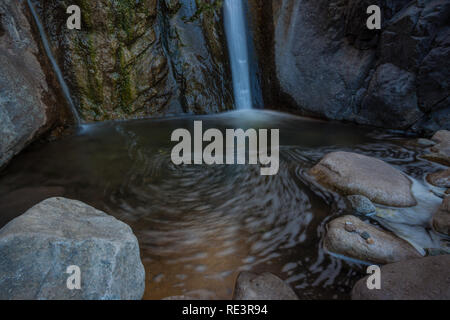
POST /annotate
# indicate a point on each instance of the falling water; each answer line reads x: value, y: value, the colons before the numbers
x: 236, y: 31
x: 55, y: 66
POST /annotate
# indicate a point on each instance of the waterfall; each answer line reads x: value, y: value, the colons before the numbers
x: 236, y: 32
x: 55, y: 66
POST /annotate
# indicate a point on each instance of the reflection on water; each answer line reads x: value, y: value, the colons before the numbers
x: 198, y: 226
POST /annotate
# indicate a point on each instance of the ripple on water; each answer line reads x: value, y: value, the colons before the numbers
x: 198, y: 226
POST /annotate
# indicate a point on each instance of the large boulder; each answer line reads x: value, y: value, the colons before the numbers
x: 416, y: 279
x: 441, y: 151
x: 356, y: 174
x: 353, y: 238
x: 30, y: 104
x: 38, y: 247
x: 441, y: 220
x: 266, y: 286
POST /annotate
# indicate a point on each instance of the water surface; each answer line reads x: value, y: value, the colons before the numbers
x: 199, y: 226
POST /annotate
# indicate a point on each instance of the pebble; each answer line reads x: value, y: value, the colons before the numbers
x: 365, y: 235
x: 349, y: 227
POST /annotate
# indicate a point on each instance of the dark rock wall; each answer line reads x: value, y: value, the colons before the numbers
x: 30, y: 102
x: 324, y: 62
x: 142, y: 58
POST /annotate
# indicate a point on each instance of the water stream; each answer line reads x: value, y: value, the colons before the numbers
x: 199, y: 226
x: 236, y: 32
x: 56, y: 69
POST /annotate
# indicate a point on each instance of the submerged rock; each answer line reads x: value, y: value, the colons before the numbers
x: 266, y: 286
x: 38, y: 247
x: 383, y: 247
x: 440, y: 179
x: 417, y: 279
x: 361, y: 205
x: 441, y: 151
x: 352, y: 173
x: 441, y: 220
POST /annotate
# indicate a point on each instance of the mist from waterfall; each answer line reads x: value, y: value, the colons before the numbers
x: 236, y: 32
x: 56, y: 69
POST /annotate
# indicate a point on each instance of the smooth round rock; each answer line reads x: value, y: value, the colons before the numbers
x: 440, y: 152
x: 440, y: 179
x: 441, y: 220
x: 384, y: 247
x: 266, y: 286
x: 351, y: 173
x: 361, y: 205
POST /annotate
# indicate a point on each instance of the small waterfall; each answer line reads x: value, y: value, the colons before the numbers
x: 236, y: 32
x: 55, y: 66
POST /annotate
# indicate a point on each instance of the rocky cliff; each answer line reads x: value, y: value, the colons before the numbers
x: 142, y: 58
x: 324, y: 62
x: 30, y: 102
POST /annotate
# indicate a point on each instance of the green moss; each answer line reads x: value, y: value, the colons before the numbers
x: 86, y: 16
x: 125, y: 13
x: 124, y: 85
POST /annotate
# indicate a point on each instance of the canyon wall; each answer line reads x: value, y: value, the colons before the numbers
x: 30, y: 102
x: 142, y: 58
x: 324, y: 62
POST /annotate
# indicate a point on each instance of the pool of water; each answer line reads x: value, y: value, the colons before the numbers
x: 199, y: 226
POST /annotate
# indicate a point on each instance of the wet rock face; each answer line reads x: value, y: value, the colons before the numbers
x: 38, y: 246
x: 355, y: 174
x: 266, y: 286
x: 330, y: 65
x: 141, y: 58
x: 416, y: 279
x: 353, y: 238
x: 30, y: 104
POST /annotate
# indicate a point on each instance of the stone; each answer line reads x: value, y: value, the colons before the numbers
x: 425, y: 142
x: 352, y: 173
x: 440, y: 179
x: 440, y: 152
x: 365, y: 235
x: 38, y: 247
x: 417, y: 279
x: 441, y: 219
x: 384, y: 246
x: 266, y: 286
x: 349, y: 227
x: 361, y: 205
